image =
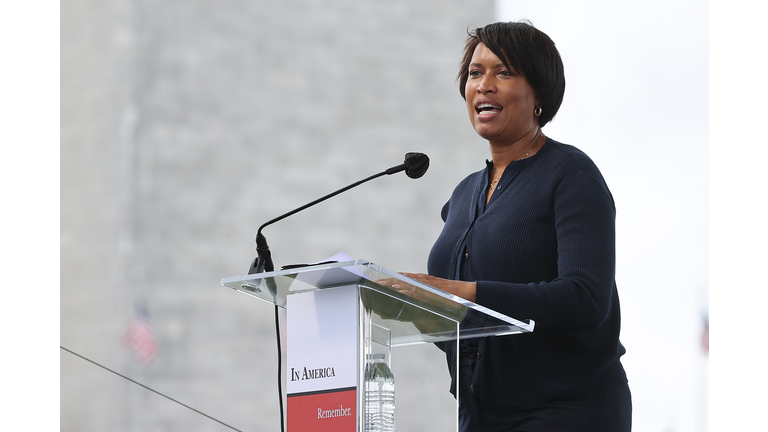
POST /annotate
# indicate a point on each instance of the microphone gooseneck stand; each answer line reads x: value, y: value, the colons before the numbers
x: 414, y: 165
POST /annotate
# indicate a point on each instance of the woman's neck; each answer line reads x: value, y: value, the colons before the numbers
x: 527, y: 146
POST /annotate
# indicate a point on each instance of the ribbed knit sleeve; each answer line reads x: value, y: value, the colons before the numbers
x: 579, y: 297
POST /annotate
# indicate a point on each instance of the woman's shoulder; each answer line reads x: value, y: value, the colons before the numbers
x: 463, y: 192
x: 571, y: 158
x: 574, y: 166
x: 568, y: 153
x: 470, y: 181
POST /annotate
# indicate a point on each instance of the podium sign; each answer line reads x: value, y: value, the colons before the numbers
x: 338, y: 316
x: 322, y: 360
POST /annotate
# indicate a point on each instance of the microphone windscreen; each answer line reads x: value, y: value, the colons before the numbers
x: 416, y: 164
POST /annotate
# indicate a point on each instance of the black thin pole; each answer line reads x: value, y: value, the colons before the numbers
x: 279, y: 369
x: 153, y: 391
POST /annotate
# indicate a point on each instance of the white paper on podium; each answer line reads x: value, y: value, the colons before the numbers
x: 338, y: 276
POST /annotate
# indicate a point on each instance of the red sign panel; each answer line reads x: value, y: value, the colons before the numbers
x: 332, y: 411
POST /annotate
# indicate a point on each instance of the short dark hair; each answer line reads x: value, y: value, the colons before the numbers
x: 528, y: 50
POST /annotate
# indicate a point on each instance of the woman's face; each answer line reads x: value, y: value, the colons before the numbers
x: 500, y: 101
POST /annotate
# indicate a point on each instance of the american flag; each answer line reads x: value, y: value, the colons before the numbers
x: 140, y: 337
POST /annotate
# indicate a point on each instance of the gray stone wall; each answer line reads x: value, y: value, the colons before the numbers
x: 184, y: 126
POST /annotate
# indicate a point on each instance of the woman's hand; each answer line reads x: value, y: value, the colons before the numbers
x: 465, y: 290
x: 428, y: 323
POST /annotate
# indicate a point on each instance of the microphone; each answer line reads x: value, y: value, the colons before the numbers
x: 414, y: 165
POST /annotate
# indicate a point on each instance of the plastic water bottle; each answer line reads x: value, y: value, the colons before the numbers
x: 379, y: 395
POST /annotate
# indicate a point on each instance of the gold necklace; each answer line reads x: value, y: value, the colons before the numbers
x: 532, y: 147
x: 492, y: 186
x: 493, y: 183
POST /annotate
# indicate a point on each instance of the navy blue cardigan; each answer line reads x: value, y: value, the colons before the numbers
x: 543, y: 249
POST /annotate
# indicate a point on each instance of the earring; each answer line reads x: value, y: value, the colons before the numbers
x: 537, y: 111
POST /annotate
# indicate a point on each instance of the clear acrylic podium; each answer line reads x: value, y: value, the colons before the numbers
x: 390, y: 321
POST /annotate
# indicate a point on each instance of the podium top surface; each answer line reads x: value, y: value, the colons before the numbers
x: 413, y: 313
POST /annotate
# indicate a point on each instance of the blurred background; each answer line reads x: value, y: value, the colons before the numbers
x: 185, y: 125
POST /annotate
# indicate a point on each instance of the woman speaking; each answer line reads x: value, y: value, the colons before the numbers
x: 531, y: 235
